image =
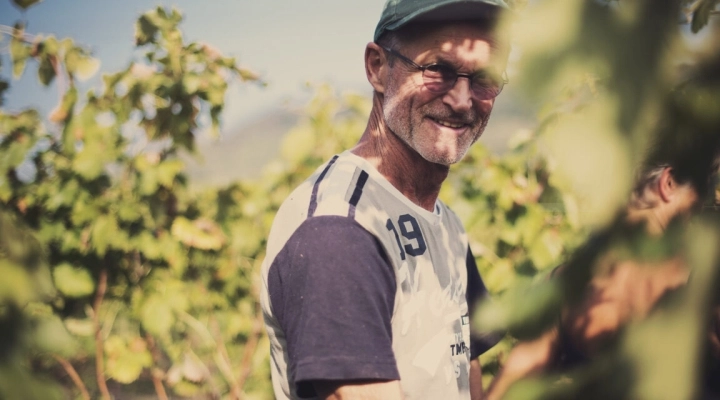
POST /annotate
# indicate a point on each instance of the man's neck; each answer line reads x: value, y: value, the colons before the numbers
x: 416, y: 178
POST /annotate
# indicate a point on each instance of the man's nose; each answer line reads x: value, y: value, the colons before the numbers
x: 460, y: 97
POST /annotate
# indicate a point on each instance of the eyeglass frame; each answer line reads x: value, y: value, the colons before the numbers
x: 422, y: 68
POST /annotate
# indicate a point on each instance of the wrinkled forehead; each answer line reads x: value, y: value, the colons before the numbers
x: 446, y: 35
x: 470, y: 44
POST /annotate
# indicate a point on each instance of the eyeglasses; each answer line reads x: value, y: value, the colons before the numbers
x: 440, y: 78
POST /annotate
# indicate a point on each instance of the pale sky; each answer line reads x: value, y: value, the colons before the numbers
x: 289, y: 42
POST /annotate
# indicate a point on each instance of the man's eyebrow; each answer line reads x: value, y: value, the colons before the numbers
x: 487, y: 70
x: 439, y: 59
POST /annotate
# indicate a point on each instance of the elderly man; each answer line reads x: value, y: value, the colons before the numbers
x: 368, y: 277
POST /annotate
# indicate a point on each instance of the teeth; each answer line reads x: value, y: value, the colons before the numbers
x: 448, y: 124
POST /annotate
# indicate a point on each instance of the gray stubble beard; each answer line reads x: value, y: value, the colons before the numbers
x: 410, y: 128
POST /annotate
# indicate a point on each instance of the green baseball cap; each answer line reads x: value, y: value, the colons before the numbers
x: 398, y: 13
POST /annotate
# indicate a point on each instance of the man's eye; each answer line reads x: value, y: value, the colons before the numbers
x: 433, y: 67
x: 485, y: 78
x: 440, y: 70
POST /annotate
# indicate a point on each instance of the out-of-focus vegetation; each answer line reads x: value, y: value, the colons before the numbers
x: 619, y: 78
x: 118, y: 279
x: 114, y: 273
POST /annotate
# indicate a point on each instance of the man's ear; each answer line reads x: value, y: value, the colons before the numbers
x: 667, y: 185
x: 376, y: 66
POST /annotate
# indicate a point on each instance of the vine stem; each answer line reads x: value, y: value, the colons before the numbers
x: 250, y: 346
x: 156, y: 373
x: 60, y: 78
x: 223, y: 361
x: 74, y: 376
x: 10, y: 31
x: 99, y: 348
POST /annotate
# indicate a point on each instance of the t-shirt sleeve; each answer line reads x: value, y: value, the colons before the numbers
x: 332, y: 289
x: 480, y: 341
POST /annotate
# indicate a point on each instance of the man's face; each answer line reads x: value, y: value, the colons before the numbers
x: 441, y: 127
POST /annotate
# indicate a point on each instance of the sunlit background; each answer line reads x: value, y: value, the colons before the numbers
x: 117, y: 268
x: 294, y: 46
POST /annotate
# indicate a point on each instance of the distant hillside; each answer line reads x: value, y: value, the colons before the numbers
x: 243, y: 153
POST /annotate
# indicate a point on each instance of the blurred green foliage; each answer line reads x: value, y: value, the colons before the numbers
x: 620, y: 83
x: 119, y: 279
x: 132, y: 277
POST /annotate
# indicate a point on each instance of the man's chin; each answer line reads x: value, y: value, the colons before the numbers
x: 446, y: 159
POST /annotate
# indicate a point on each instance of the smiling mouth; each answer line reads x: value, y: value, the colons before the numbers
x: 453, y: 125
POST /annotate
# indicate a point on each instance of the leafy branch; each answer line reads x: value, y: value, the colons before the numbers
x: 99, y: 348
x: 251, y: 346
x: 156, y: 373
x: 72, y: 373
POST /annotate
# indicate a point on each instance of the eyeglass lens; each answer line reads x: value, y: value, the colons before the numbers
x: 440, y: 78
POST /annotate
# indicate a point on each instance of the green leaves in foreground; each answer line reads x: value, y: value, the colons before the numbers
x: 73, y: 281
x: 26, y: 324
x: 25, y: 4
x: 681, y: 327
x: 26, y: 276
x: 138, y: 260
x: 525, y: 311
x: 126, y: 358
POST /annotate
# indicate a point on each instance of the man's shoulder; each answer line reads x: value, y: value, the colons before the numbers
x: 323, y: 193
x: 325, y: 188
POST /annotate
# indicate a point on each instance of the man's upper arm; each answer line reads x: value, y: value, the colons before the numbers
x: 477, y: 392
x: 371, y: 390
x: 332, y: 290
